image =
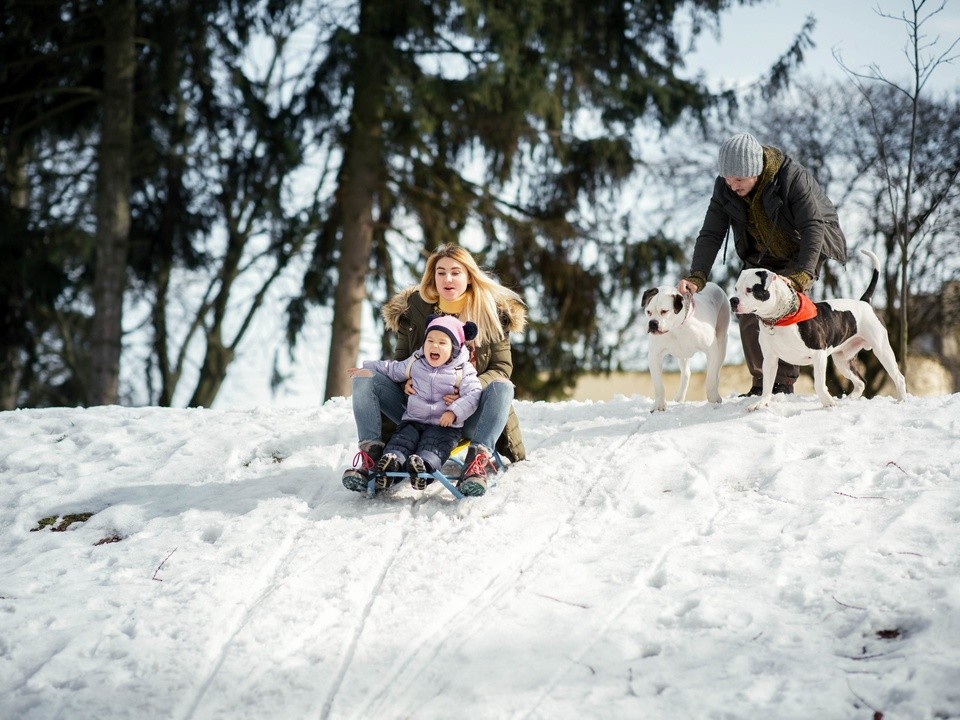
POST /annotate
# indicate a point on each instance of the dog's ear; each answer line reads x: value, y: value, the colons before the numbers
x: 648, y: 295
x: 678, y: 303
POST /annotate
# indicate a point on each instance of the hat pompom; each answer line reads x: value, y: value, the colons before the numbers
x: 469, y: 330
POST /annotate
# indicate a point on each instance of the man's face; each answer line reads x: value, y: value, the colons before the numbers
x: 742, y: 186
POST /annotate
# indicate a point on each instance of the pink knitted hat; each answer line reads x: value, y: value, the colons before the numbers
x: 457, y: 331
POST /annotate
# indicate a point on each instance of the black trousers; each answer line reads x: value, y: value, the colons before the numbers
x: 431, y: 442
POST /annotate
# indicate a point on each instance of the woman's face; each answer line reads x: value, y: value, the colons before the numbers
x: 451, y: 279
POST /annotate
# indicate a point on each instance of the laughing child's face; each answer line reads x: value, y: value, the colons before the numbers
x: 437, y: 348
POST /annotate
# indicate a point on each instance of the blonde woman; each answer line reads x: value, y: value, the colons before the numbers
x: 452, y: 284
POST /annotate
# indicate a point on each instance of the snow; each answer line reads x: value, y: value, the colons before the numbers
x: 705, y: 562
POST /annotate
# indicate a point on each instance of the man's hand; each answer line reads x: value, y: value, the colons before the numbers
x: 408, y: 387
x: 452, y: 398
x: 685, y: 287
x: 800, y: 280
x: 359, y: 372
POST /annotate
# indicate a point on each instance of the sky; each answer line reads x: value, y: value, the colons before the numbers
x: 753, y: 37
x: 705, y: 563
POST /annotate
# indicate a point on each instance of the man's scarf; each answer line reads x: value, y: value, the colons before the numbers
x: 768, y: 236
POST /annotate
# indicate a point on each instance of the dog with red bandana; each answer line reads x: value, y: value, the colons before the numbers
x: 798, y: 331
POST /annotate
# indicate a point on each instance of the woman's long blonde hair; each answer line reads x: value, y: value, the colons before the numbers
x: 485, y: 294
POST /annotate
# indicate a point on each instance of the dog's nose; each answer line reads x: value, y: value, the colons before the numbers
x: 652, y: 326
x: 734, y: 301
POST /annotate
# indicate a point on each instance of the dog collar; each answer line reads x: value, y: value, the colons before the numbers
x: 802, y: 308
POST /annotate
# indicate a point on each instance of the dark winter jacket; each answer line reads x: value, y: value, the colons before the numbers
x: 406, y: 314
x: 432, y: 383
x: 794, y: 202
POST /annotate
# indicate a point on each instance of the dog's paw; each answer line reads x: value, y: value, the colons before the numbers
x: 760, y: 405
x: 659, y: 407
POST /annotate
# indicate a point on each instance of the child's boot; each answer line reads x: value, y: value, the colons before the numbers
x: 388, y: 463
x: 417, y: 465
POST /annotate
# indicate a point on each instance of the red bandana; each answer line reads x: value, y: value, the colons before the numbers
x: 806, y: 311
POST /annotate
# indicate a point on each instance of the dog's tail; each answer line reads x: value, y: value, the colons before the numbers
x: 868, y: 293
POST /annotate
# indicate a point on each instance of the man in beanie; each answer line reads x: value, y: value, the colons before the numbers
x: 429, y: 428
x: 781, y: 220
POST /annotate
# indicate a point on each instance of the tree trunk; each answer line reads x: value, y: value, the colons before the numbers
x: 11, y: 354
x: 169, y: 371
x: 356, y: 243
x: 219, y: 355
x: 213, y: 371
x: 113, y: 200
x: 359, y: 182
x: 10, y: 368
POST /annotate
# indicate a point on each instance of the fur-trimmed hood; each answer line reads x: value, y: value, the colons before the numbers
x: 396, y: 307
x: 513, y: 314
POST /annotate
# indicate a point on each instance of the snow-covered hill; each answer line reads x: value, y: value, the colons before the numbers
x: 699, y: 563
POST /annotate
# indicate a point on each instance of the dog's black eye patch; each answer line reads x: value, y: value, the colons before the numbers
x: 759, y: 290
x: 761, y: 293
x: 678, y: 304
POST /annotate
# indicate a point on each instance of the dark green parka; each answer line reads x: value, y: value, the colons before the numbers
x: 406, y: 314
x: 794, y: 202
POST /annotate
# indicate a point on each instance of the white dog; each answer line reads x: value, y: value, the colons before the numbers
x: 681, y: 325
x: 840, y: 328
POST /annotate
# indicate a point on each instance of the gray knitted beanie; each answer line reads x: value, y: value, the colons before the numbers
x: 741, y: 156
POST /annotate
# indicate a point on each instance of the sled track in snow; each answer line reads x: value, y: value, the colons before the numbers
x: 358, y: 631
x: 351, y: 652
x: 603, y: 627
x: 266, y: 589
x: 429, y: 646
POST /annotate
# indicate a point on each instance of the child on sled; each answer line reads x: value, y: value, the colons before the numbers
x: 430, y: 428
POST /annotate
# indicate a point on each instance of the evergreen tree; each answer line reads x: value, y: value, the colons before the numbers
x: 49, y: 81
x: 212, y: 145
x: 515, y: 122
